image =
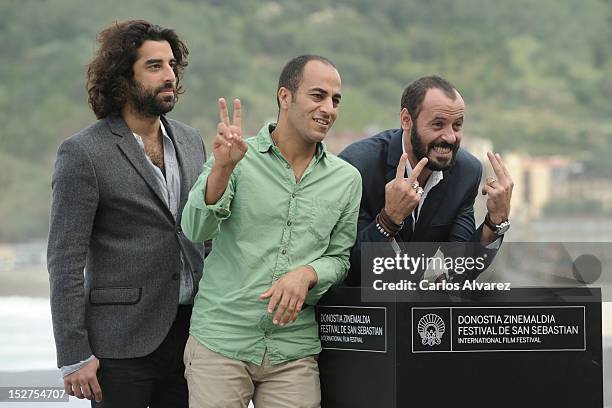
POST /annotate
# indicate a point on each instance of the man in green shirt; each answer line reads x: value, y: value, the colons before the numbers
x: 282, y: 212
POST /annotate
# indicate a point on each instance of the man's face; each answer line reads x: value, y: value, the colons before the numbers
x: 438, y: 129
x: 153, y: 90
x: 313, y: 107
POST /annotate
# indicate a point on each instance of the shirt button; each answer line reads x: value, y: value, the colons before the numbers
x: 293, y: 195
x: 175, y: 276
x: 284, y: 251
x: 288, y: 166
x: 288, y: 222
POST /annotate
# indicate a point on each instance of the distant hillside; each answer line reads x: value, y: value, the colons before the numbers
x: 535, y: 75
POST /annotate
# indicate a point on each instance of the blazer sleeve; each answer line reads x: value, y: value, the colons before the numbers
x: 464, y: 227
x: 464, y: 230
x: 366, y: 222
x: 74, y: 203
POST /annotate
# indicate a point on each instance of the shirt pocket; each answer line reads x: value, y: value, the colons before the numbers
x: 324, y: 215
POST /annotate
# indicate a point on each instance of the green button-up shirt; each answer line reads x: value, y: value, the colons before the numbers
x: 264, y: 226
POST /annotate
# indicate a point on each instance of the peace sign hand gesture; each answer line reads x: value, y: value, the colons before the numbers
x: 228, y: 146
x: 402, y: 194
x: 498, y: 189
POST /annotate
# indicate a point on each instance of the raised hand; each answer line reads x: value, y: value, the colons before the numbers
x: 402, y: 194
x: 228, y: 146
x: 498, y: 189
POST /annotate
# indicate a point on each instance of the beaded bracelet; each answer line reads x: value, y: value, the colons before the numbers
x: 381, y: 229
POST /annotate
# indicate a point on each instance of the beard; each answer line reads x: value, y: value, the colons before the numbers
x: 421, y: 150
x: 147, y: 102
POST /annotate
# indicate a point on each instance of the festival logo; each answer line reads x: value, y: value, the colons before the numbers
x: 431, y: 329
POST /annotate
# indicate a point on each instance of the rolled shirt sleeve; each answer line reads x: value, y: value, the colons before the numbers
x: 200, y: 222
x: 331, y: 268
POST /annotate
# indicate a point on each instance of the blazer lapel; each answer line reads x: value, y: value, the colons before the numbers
x: 432, y: 202
x: 393, y: 154
x: 186, y: 166
x: 133, y: 152
x: 430, y: 206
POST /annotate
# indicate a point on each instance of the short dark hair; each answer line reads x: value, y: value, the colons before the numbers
x: 413, y: 95
x: 110, y: 73
x: 291, y: 75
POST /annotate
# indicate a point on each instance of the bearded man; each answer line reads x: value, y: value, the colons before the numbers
x: 119, y: 187
x: 419, y: 185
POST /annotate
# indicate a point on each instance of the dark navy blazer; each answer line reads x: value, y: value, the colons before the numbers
x: 447, y: 215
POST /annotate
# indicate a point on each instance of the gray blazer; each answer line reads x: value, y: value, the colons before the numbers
x: 109, y: 219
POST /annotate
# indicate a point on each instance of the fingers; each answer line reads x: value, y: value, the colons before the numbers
x: 223, y: 136
x: 298, y: 308
x: 497, y: 168
x: 68, y: 387
x: 285, y: 307
x: 235, y: 131
x: 223, y: 114
x: 279, y: 316
x: 275, y: 303
x: 503, y: 179
x: 275, y: 299
x: 83, y: 383
x: 97, y: 390
x: 237, y: 120
x: 267, y: 293
x: 491, y: 184
x: 241, y: 144
x: 76, y: 388
x: 502, y: 164
x: 83, y: 389
x: 274, y: 296
x: 287, y: 316
x: 72, y: 386
x: 418, y: 169
x: 401, y: 167
x: 86, y: 391
x: 487, y: 189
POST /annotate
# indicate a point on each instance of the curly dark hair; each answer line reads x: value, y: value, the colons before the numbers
x: 110, y: 74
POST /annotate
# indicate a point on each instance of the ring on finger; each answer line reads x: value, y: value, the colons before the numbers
x: 420, y: 191
x: 415, y: 185
x: 491, y: 180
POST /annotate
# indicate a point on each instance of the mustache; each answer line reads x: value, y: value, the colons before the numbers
x: 166, y: 87
x: 442, y: 144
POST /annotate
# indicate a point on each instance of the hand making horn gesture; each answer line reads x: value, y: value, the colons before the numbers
x: 228, y: 146
x: 402, y: 194
x: 498, y: 189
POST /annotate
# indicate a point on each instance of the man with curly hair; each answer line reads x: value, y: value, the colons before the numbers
x: 122, y: 274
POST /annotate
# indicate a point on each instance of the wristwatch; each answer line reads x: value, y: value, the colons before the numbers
x: 499, y: 229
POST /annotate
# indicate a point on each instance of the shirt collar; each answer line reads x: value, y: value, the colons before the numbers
x: 163, y: 130
x: 265, y: 143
